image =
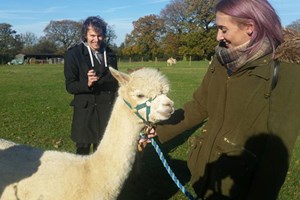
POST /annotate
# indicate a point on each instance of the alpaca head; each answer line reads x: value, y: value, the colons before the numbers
x: 146, y: 91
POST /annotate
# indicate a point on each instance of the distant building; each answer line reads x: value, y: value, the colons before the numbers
x: 37, y: 58
x: 44, y: 58
x: 18, y: 60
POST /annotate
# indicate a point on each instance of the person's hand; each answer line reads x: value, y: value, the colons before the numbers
x: 92, y: 77
x: 145, y: 138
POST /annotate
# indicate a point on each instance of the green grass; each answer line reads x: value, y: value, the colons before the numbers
x: 35, y: 110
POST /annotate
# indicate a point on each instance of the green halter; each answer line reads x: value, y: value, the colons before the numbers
x: 139, y: 107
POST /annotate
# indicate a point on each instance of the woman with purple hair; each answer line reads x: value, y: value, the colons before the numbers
x: 248, y: 104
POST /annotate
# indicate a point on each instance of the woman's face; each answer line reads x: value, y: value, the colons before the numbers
x: 94, y: 39
x: 230, y: 32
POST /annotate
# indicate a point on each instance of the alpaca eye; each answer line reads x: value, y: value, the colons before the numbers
x: 140, y: 96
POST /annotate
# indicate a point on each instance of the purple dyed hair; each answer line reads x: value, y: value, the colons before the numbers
x: 261, y: 13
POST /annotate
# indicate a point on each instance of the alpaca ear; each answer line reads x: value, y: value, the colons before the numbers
x: 121, y: 77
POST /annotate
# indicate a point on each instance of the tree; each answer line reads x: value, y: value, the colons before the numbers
x: 145, y: 39
x: 10, y: 43
x: 191, y: 23
x: 171, y: 45
x: 29, y: 40
x: 46, y: 46
x: 175, y: 18
x: 295, y: 25
x: 201, y: 14
x: 199, y: 41
x: 110, y: 35
x: 128, y: 45
x: 65, y: 32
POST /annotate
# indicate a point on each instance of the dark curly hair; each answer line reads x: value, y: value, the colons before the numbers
x: 97, y: 23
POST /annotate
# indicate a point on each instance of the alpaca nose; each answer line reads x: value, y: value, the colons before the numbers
x: 169, y: 102
x: 163, y: 107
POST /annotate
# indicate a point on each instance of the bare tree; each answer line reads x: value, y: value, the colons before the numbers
x: 110, y: 35
x: 295, y: 25
x: 28, y: 39
x: 65, y: 32
x: 175, y: 16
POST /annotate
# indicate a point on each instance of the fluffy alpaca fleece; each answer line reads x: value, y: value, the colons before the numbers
x: 28, y: 173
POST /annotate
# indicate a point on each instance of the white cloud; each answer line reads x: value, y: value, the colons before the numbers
x: 115, y: 9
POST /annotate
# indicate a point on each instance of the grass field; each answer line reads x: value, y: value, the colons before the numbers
x: 35, y: 110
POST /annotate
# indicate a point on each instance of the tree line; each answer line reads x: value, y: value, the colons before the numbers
x: 183, y: 29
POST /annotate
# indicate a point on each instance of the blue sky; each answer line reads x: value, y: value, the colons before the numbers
x: 34, y: 15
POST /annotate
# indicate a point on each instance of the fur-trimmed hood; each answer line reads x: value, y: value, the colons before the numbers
x: 289, y: 50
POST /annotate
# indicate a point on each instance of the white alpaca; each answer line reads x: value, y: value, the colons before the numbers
x: 171, y: 61
x: 28, y: 173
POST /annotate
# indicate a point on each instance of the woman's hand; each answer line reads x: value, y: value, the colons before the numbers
x: 145, y: 138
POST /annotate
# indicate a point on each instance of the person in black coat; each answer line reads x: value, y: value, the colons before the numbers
x: 88, y: 78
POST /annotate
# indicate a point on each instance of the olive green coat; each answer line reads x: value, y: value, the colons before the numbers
x: 245, y: 147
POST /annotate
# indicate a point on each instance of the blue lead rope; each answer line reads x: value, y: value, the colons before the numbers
x: 169, y: 170
x: 155, y: 145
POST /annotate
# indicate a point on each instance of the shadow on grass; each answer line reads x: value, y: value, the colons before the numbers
x: 149, y: 179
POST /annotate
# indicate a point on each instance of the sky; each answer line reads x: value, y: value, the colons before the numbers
x: 34, y: 15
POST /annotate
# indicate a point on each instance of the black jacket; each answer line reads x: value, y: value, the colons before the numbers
x: 92, y: 106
